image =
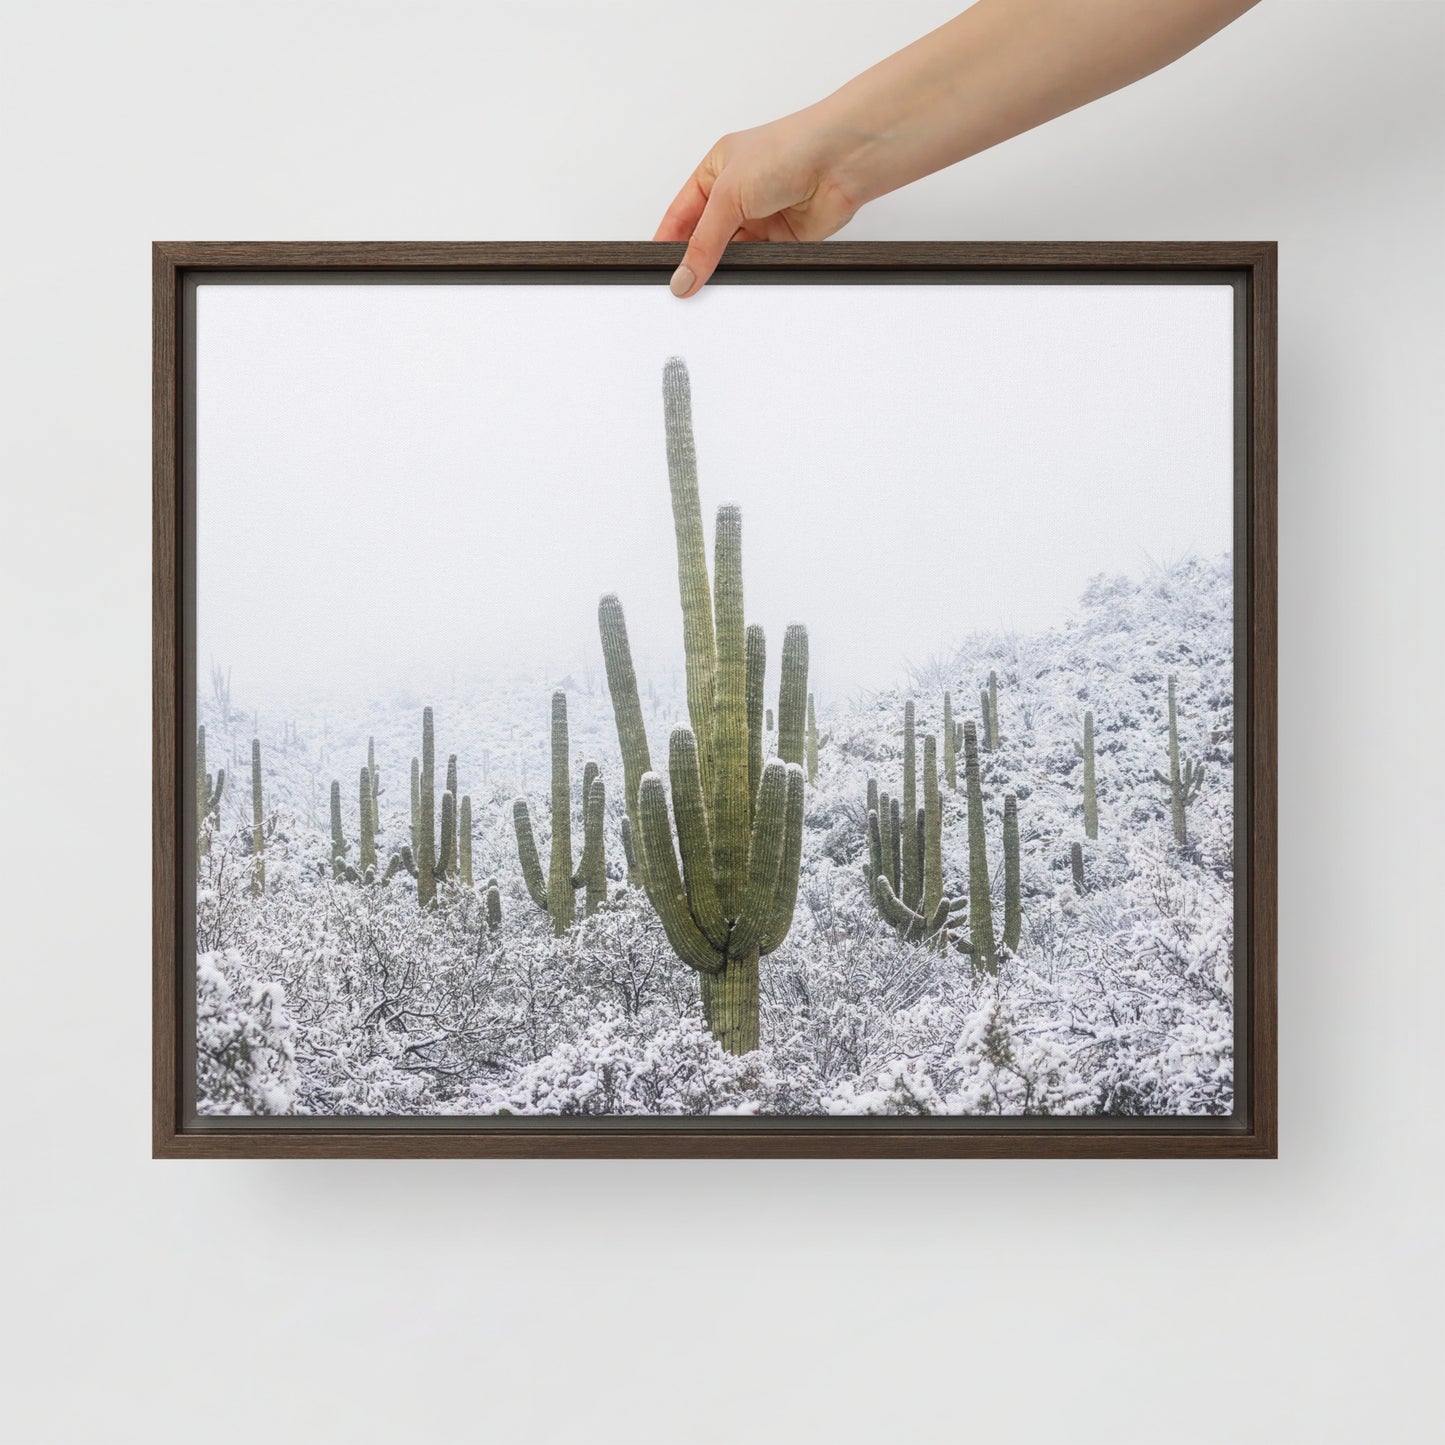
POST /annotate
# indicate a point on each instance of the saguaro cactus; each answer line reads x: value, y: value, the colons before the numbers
x: 1076, y: 864
x: 887, y: 849
x: 980, y: 901
x: 1183, y: 781
x: 1013, y: 915
x: 1086, y: 752
x: 993, y: 733
x: 415, y: 799
x: 366, y: 858
x: 258, y: 830
x: 769, y: 719
x: 950, y: 743
x: 433, y: 859
x: 555, y: 894
x: 494, y: 905
x: 812, y: 742
x: 912, y: 869
x: 733, y: 900
x: 208, y: 796
x: 453, y: 850
x: 375, y: 781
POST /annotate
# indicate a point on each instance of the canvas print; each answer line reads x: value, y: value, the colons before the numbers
x: 814, y: 700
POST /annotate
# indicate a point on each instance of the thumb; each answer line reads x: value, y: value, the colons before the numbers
x: 718, y: 224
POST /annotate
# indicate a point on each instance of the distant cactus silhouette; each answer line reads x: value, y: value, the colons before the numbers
x: 1184, y: 781
x: 980, y: 901
x: 208, y: 797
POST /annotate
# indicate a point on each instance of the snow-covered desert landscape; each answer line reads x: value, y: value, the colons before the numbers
x: 472, y: 842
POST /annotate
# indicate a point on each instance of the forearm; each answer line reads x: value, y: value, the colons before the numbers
x: 997, y: 70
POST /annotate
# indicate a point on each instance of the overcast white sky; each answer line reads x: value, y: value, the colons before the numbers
x: 395, y: 481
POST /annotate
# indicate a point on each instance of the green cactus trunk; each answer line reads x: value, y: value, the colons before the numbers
x: 258, y: 832
x: 374, y: 801
x: 453, y: 840
x: 594, y: 854
x: 983, y: 717
x: 425, y: 844
x: 494, y: 905
x: 812, y: 743
x: 699, y: 644
x: 464, y: 839
x: 561, y: 903
x: 1013, y: 916
x: 1076, y: 864
x: 980, y: 901
x: 993, y: 732
x: 950, y: 744
x: 912, y: 878
x: 208, y: 797
x: 338, y: 834
x: 366, y: 858
x: 932, y: 830
x: 1091, y: 804
x: 768, y: 719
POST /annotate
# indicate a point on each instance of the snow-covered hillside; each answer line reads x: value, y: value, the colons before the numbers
x: 323, y: 996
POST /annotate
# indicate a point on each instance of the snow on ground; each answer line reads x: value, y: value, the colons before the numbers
x: 324, y: 997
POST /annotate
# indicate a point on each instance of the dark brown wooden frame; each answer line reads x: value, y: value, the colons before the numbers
x: 1250, y: 1133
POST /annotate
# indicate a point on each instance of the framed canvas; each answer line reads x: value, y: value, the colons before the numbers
x: 513, y: 797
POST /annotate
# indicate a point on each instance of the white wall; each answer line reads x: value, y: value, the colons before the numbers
x: 1291, y: 1301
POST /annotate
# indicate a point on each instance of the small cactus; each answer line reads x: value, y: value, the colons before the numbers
x: 1184, y: 780
x: 494, y: 905
x: 464, y: 831
x: 208, y: 797
x: 993, y: 733
x: 986, y: 735
x: 1076, y: 863
x: 555, y: 894
x: 768, y: 719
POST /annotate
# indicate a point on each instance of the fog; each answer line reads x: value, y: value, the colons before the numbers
x: 400, y: 485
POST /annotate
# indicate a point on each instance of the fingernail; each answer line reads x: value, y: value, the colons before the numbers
x: 682, y: 281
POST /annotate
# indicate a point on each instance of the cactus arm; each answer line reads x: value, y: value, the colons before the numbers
x: 757, y: 667
x: 895, y: 840
x: 1012, y: 903
x: 698, y: 641
x: 729, y: 811
x: 594, y: 857
x: 627, y: 710
x: 665, y: 883
x: 980, y: 902
x: 885, y: 833
x: 912, y: 882
x: 895, y: 911
x: 693, y: 838
x: 425, y: 847
x: 932, y: 829
x: 561, y: 904
x: 629, y: 850
x: 785, y: 895
x: 875, y: 849
x: 765, y: 859
x: 449, y: 832
x: 527, y: 854
x: 793, y: 694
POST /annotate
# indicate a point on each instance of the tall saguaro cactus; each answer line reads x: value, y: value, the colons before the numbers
x: 555, y: 894
x: 980, y: 900
x: 1184, y: 780
x: 433, y: 859
x: 993, y: 733
x: 1086, y: 752
x: 1012, y: 889
x: 258, y: 829
x: 208, y: 796
x: 731, y: 902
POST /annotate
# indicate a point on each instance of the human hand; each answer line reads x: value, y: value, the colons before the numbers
x: 776, y: 182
